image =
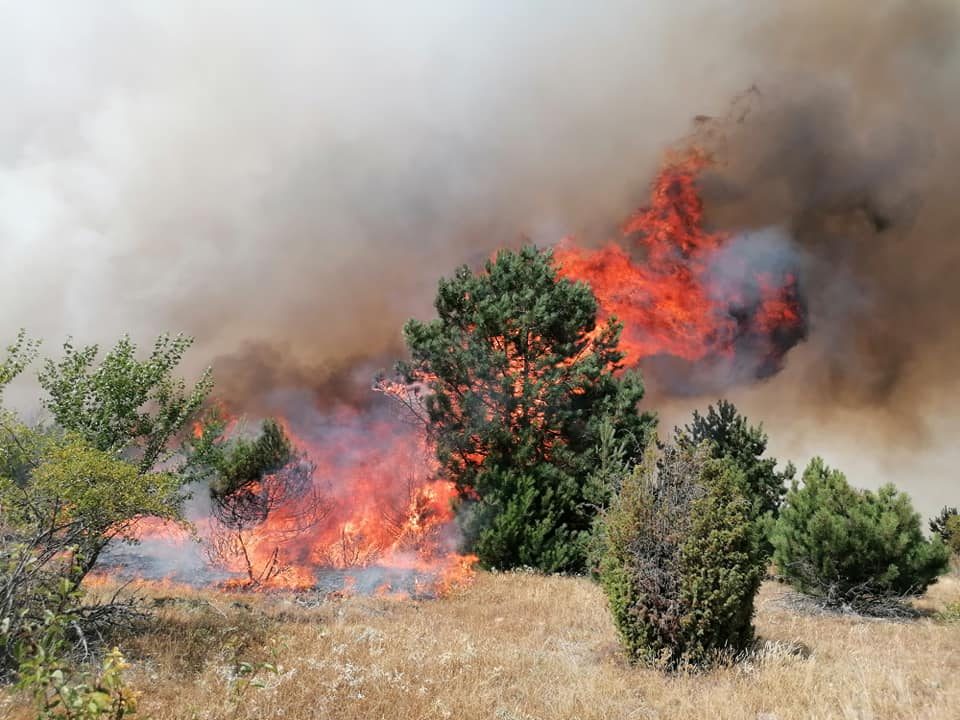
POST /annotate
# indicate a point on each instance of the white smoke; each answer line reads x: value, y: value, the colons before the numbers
x: 299, y: 174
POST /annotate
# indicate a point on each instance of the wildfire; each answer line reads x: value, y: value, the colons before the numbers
x: 664, y: 283
x: 363, y: 498
x: 364, y: 502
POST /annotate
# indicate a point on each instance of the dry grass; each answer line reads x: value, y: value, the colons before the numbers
x: 520, y: 646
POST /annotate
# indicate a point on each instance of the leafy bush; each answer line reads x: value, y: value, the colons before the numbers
x: 57, y: 519
x: 681, y: 560
x: 44, y: 649
x: 849, y: 546
x: 69, y: 489
x: 58, y: 688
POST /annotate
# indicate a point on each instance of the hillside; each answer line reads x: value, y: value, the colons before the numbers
x: 517, y: 647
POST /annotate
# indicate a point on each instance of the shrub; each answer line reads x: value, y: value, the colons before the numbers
x: 849, y: 546
x: 60, y: 690
x: 47, y: 672
x: 681, y: 560
x: 69, y: 489
x: 951, y: 613
x: 947, y: 525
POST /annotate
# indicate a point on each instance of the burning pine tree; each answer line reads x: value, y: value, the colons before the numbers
x: 524, y: 362
x: 512, y: 382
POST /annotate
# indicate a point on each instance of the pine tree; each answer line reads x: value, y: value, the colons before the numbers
x: 517, y: 377
x: 842, y: 544
x: 729, y: 434
x: 947, y: 525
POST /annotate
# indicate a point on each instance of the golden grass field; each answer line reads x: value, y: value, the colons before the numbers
x: 523, y: 646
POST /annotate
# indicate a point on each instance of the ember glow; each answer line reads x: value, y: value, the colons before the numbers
x: 662, y: 282
x: 370, y: 512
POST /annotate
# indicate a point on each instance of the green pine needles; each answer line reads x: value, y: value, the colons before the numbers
x: 848, y: 546
x: 519, y: 378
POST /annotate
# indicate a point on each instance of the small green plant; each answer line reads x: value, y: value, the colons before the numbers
x: 248, y: 676
x: 951, y: 613
x: 58, y: 688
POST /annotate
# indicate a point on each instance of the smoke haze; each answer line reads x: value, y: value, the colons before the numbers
x: 287, y: 181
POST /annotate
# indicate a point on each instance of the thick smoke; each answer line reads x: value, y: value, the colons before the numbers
x: 287, y: 183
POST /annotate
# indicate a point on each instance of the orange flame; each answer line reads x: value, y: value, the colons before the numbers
x: 374, y: 500
x: 668, y: 302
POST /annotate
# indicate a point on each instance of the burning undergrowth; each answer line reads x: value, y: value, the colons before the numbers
x: 354, y: 507
x: 353, y: 501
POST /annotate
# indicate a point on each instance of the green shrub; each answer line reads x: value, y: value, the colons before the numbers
x: 947, y: 525
x: 845, y: 545
x: 681, y: 560
x: 951, y: 613
x: 58, y: 687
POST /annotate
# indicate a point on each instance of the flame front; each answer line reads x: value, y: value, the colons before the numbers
x: 374, y: 501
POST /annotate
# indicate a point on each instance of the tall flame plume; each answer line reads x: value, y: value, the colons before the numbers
x: 374, y: 504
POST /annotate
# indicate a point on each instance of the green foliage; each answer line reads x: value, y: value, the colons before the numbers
x: 122, y: 403
x: 55, y: 486
x: 947, y: 525
x: 58, y: 689
x: 728, y: 434
x: 249, y: 675
x: 60, y: 514
x: 951, y: 613
x: 514, y: 379
x: 838, y: 543
x: 244, y: 462
x: 604, y: 483
x: 68, y: 489
x: 19, y: 355
x: 953, y: 534
x: 681, y: 560
x: 522, y: 523
x: 91, y: 492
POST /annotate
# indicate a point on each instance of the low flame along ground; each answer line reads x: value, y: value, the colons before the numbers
x: 374, y: 500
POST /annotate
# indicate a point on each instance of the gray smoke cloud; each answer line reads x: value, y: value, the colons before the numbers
x: 287, y: 181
